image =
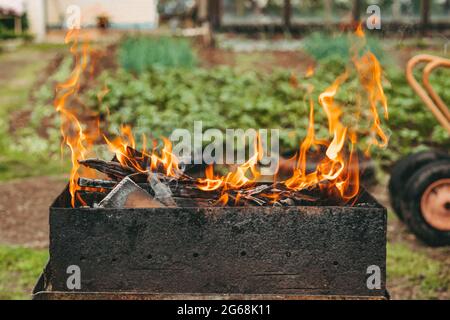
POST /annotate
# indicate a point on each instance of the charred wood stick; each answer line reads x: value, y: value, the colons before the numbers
x: 114, y: 170
x: 96, y: 183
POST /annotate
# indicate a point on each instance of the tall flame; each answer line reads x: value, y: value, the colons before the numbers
x: 77, y: 139
x: 338, y: 169
x: 336, y: 172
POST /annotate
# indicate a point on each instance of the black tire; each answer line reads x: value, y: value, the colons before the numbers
x: 415, y: 188
x: 403, y: 170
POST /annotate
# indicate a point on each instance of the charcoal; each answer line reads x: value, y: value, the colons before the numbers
x: 96, y: 183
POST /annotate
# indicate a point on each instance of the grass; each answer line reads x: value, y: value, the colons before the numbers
x: 416, y: 271
x: 20, y: 69
x: 19, y: 270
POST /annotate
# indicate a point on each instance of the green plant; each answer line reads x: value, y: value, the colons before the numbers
x: 138, y: 54
x: 23, y: 152
x: 322, y: 46
x: 19, y: 270
x: 412, y: 125
x: 158, y: 100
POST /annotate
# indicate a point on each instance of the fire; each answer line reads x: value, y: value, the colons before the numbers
x: 238, y: 178
x: 124, y: 147
x: 336, y: 171
x: 339, y: 169
x: 309, y: 72
x: 74, y: 136
x: 167, y: 160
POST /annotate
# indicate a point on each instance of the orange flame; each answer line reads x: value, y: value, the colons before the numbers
x: 236, y: 179
x: 339, y: 169
x: 71, y: 128
x: 336, y: 172
x: 309, y: 72
x: 124, y: 147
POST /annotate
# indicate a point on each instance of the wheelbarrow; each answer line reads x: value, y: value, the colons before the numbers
x: 419, y: 187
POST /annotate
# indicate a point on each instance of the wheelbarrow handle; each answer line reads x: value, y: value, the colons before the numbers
x: 428, y: 95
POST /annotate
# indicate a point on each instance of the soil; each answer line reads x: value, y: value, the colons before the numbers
x: 24, y: 208
x: 267, y: 61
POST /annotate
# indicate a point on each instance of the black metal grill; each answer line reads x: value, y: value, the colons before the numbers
x: 276, y: 252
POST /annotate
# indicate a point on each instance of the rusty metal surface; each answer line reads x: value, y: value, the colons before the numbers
x: 288, y: 251
x: 426, y: 92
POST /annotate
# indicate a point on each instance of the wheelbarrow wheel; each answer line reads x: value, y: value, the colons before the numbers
x: 403, y: 170
x: 426, y: 203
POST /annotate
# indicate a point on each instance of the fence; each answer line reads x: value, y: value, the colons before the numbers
x: 298, y: 14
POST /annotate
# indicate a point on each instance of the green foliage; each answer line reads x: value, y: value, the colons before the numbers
x: 25, y: 153
x: 322, y: 46
x: 412, y: 125
x: 161, y: 99
x: 8, y: 35
x: 138, y: 54
x: 158, y: 101
x: 19, y: 270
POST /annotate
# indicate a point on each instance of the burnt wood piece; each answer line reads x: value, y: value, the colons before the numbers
x: 113, y: 170
x: 239, y: 250
x: 258, y: 194
x: 96, y: 183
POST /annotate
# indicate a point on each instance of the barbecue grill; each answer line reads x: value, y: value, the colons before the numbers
x: 189, y: 252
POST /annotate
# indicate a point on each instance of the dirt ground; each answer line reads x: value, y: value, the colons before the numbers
x: 24, y: 210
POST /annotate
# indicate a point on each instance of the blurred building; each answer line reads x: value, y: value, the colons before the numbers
x: 296, y: 14
x: 116, y: 14
x: 236, y: 15
x: 12, y: 10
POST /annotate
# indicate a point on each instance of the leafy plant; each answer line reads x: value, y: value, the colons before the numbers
x: 159, y: 100
x: 323, y: 46
x: 138, y: 54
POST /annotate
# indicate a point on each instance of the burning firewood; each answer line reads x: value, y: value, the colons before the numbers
x: 113, y: 170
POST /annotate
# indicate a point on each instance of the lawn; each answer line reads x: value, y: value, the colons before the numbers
x: 414, y: 273
x: 19, y: 270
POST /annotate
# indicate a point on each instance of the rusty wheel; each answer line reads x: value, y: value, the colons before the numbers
x: 404, y: 169
x: 435, y: 205
x: 426, y: 203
